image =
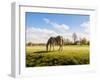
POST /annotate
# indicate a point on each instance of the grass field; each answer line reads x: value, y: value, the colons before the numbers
x: 71, y: 55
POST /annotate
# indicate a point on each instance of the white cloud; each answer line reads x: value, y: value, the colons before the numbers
x: 46, y: 20
x: 86, y: 26
x: 59, y: 27
x: 37, y: 35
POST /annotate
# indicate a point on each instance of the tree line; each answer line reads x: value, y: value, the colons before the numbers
x: 81, y: 41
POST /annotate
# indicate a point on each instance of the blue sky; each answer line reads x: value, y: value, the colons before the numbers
x: 74, y: 21
x: 47, y: 23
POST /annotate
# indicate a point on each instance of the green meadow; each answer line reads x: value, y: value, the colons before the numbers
x: 37, y: 56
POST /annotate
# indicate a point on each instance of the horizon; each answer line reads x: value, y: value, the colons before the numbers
x: 41, y: 26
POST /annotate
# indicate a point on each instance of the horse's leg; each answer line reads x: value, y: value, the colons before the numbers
x: 53, y: 47
x: 46, y: 47
x: 62, y: 45
x: 50, y: 47
x: 59, y: 48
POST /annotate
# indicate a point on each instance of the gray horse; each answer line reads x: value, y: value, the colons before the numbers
x: 52, y: 41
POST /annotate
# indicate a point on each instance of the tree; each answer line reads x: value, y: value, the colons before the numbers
x: 74, y: 36
x: 29, y: 44
x: 67, y: 41
x: 83, y: 41
x: 88, y: 42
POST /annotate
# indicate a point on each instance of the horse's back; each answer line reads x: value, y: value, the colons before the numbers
x: 59, y: 39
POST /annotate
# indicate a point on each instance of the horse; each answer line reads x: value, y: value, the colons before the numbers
x: 52, y: 41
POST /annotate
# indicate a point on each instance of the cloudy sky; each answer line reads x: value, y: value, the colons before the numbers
x: 40, y: 26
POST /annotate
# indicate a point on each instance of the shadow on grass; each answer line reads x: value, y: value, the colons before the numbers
x: 43, y: 51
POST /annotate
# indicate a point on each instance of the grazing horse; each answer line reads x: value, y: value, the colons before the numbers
x: 52, y: 41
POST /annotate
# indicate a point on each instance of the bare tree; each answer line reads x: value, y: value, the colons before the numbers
x: 74, y: 36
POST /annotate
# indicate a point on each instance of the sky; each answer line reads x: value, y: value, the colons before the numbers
x: 41, y: 26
